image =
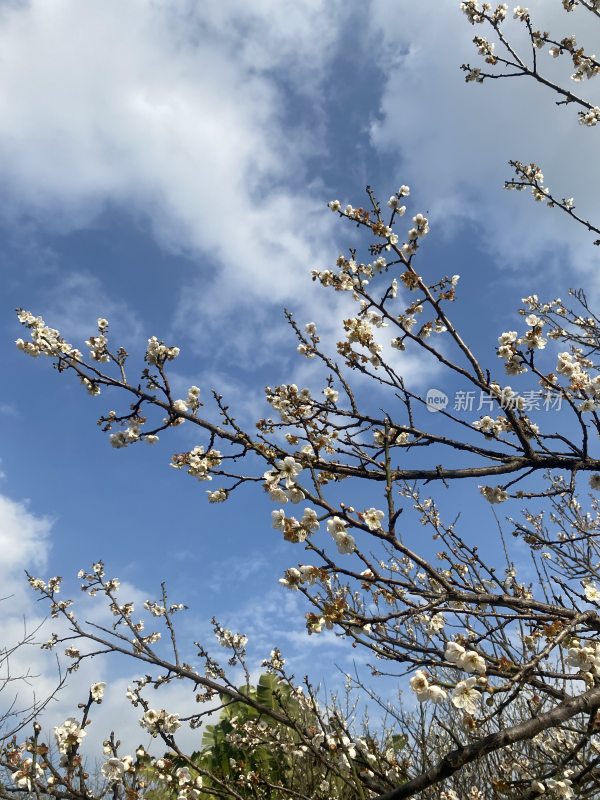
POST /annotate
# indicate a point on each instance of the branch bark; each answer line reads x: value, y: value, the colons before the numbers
x: 456, y: 759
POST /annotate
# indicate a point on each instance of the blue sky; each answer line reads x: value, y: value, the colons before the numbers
x: 169, y: 168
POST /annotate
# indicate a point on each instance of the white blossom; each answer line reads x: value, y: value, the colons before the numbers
x: 113, y: 769
x: 97, y: 691
x: 424, y: 691
x: 218, y: 496
x: 331, y: 394
x: 592, y: 592
x: 23, y: 778
x: 160, y: 721
x: 344, y: 541
x: 68, y: 735
x: 466, y: 697
x: 494, y: 494
x: 289, y: 469
x: 372, y: 518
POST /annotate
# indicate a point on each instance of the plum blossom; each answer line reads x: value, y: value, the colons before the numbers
x: 561, y: 788
x: 436, y: 694
x: 289, y: 469
x: 489, y: 426
x: 592, y: 592
x: 278, y: 519
x: 579, y: 657
x: 294, y: 494
x: 424, y: 691
x: 45, y: 341
x: 473, y: 662
x: 494, y: 494
x: 331, y: 394
x: 309, y: 520
x: 218, y: 496
x: 454, y: 652
x: 420, y: 685
x: 468, y: 660
x: 98, y: 348
x: 180, y: 406
x: 294, y: 530
x: 435, y: 623
x: 23, y: 778
x: 68, y: 735
x: 160, y: 721
x: 292, y: 578
x: 113, y: 769
x: 157, y: 352
x: 372, y: 518
x: 466, y: 697
x: 125, y: 437
x: 199, y: 462
x: 344, y: 541
x: 97, y: 691
x: 227, y: 638
x: 591, y: 117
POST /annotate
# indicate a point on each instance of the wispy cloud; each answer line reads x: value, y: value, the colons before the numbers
x: 76, y: 301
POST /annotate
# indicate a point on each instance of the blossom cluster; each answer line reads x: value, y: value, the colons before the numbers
x: 494, y: 494
x: 509, y: 343
x: 590, y: 117
x: 158, y: 352
x: 492, y: 427
x: 286, y: 471
x: 27, y: 775
x: 295, y: 577
x: 295, y: 530
x: 98, y: 345
x: 125, y: 437
x: 69, y: 735
x: 226, y: 638
x: 45, y: 341
x: 190, y: 404
x: 424, y: 690
x: 291, y: 402
x: 344, y: 541
x: 161, y: 721
x: 198, y: 462
x: 114, y: 768
x: 419, y: 229
x: 467, y: 660
x: 466, y: 694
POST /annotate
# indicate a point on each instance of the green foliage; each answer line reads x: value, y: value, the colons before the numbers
x: 242, y: 741
x: 269, y: 759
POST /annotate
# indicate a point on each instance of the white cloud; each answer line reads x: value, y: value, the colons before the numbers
x: 30, y: 675
x: 185, y: 118
x: 454, y: 139
x: 174, y: 114
x: 24, y: 544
